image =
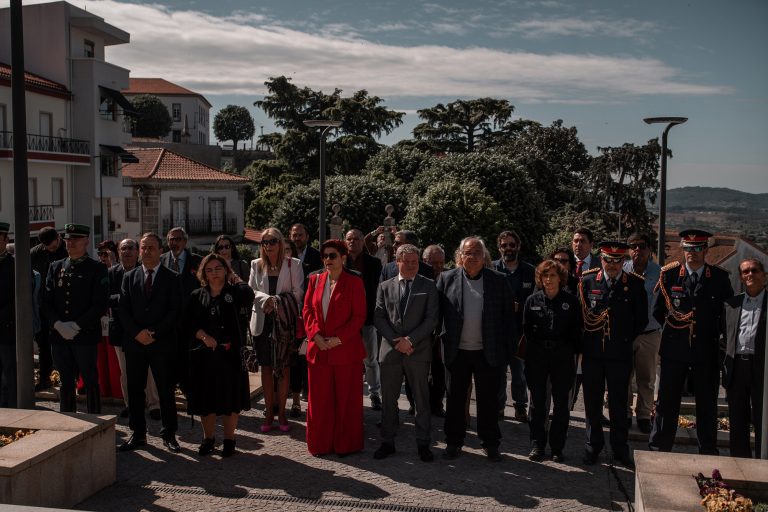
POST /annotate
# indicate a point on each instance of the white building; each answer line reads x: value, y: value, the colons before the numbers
x: 64, y: 45
x: 189, y: 110
x: 169, y: 190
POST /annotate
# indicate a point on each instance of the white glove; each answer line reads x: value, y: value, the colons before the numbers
x: 67, y: 330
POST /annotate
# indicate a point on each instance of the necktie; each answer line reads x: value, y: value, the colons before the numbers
x: 404, y: 297
x: 694, y: 280
x: 148, y: 283
x: 579, y: 265
x: 175, y: 264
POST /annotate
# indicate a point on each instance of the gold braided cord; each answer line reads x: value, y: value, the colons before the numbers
x: 676, y: 319
x: 594, y: 322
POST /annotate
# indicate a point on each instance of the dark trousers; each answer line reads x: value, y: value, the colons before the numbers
x: 392, y: 374
x: 44, y: 346
x: 137, y: 364
x: 745, y: 407
x: 72, y: 360
x: 299, y: 374
x: 560, y: 373
x: 671, y: 381
x: 518, y: 385
x: 596, y: 374
x: 459, y: 373
x: 8, y: 376
x: 436, y: 378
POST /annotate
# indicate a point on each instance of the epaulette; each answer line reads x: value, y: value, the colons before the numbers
x: 590, y: 271
x: 636, y: 275
x: 670, y: 266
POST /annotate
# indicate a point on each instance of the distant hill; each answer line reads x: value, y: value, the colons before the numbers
x: 711, y: 198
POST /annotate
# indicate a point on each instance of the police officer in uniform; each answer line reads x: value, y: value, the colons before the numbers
x: 76, y: 297
x: 690, y: 308
x: 615, y: 310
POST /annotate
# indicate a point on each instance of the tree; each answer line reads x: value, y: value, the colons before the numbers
x: 567, y: 219
x: 399, y: 162
x: 451, y: 210
x: 458, y: 126
x: 234, y: 123
x: 153, y: 119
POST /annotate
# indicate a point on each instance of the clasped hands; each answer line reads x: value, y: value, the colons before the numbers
x: 67, y: 330
x: 145, y: 337
x: 403, y: 344
x: 324, y: 343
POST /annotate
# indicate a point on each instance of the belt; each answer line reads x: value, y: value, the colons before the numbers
x: 744, y: 357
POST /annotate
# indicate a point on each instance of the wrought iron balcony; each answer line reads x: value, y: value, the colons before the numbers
x: 41, y: 213
x: 48, y: 144
x: 202, y: 225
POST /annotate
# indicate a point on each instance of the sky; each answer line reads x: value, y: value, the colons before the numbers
x: 601, y: 66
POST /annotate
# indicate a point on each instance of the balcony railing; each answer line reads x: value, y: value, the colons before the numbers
x: 48, y: 144
x: 202, y: 225
x: 41, y: 213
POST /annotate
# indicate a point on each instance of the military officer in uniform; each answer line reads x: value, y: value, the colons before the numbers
x: 76, y: 297
x: 690, y: 309
x: 615, y: 310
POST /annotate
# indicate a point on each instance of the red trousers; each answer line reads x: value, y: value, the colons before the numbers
x: 335, y: 411
x: 109, y: 371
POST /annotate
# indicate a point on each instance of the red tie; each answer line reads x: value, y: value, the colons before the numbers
x: 148, y: 283
x: 579, y: 265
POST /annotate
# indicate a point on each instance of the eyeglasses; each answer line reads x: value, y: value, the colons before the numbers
x: 509, y: 245
x: 612, y: 260
x: 330, y: 255
x: 562, y: 260
x: 271, y: 241
x: 638, y: 246
x: 223, y: 246
x: 175, y: 238
x: 472, y: 254
x: 211, y: 270
x: 102, y: 253
x: 750, y: 270
x: 696, y: 248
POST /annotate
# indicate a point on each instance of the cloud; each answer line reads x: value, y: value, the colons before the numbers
x: 583, y: 27
x: 218, y: 56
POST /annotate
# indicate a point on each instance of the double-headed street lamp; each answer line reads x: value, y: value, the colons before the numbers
x: 327, y: 125
x: 671, y: 121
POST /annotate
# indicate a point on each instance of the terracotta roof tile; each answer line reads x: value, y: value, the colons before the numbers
x: 159, y: 87
x: 34, y: 81
x: 163, y: 165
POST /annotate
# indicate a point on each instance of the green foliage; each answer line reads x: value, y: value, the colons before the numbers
x: 568, y: 219
x: 153, y: 119
x: 362, y: 200
x: 234, y: 123
x: 400, y: 163
x: 270, y: 182
x: 459, y: 125
x: 452, y: 210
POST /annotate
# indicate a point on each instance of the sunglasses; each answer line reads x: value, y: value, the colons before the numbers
x: 750, y: 270
x: 223, y: 246
x: 612, y: 260
x: 510, y: 246
x: 103, y: 253
x: 330, y: 255
x: 639, y: 246
x: 271, y: 241
x: 697, y: 248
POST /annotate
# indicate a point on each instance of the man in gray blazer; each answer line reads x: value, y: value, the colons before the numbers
x: 406, y: 313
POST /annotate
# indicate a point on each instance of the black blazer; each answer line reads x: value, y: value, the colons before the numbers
x: 390, y: 270
x: 115, y: 274
x: 159, y: 312
x: 312, y: 262
x: 499, y: 329
x: 7, y: 301
x: 732, y: 321
x: 370, y: 274
x: 189, y: 280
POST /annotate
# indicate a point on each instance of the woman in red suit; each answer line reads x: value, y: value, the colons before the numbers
x: 334, y: 313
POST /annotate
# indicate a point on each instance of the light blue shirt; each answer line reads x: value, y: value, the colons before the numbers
x: 651, y: 274
x: 748, y: 322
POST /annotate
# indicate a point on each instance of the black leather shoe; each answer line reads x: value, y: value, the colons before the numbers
x: 605, y: 421
x: 228, y: 448
x: 625, y: 460
x: 154, y: 414
x: 206, y: 447
x: 124, y: 413
x: 384, y: 451
x: 536, y: 455
x: 171, y: 444
x: 440, y: 413
x: 451, y: 452
x: 412, y: 410
x: 425, y: 454
x: 43, y: 385
x: 493, y: 454
x: 557, y: 457
x: 644, y: 425
x: 590, y: 458
x: 133, y: 442
x: 376, y: 402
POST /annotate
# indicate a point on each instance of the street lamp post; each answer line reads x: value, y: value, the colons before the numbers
x: 326, y: 125
x: 671, y: 121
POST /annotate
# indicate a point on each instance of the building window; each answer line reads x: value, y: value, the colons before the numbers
x: 132, y: 209
x: 216, y: 210
x: 176, y: 136
x: 57, y: 192
x: 5, y: 135
x: 46, y: 124
x: 107, y: 108
x: 89, y: 48
x: 108, y: 164
x: 179, y: 212
x: 176, y: 109
x: 32, y: 189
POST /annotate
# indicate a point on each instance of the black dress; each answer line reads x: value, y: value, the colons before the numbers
x: 218, y: 382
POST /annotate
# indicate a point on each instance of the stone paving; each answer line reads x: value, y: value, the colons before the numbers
x: 275, y: 471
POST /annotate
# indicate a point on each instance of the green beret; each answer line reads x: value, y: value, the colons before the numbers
x: 76, y: 231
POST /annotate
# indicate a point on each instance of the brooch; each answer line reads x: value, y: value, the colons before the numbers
x: 565, y: 306
x: 228, y: 298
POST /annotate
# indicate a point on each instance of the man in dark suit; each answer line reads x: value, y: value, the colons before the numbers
x: 149, y: 311
x: 370, y: 270
x: 76, y: 296
x: 407, y: 308
x: 478, y: 333
x: 521, y: 277
x: 615, y: 309
x: 7, y: 322
x: 307, y: 255
x: 390, y: 270
x: 745, y: 316
x: 582, y: 243
x: 181, y: 260
x: 690, y: 308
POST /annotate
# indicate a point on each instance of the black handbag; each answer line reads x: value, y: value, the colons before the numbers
x: 248, y: 356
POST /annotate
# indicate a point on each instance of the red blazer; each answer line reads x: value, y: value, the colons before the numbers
x: 346, y: 316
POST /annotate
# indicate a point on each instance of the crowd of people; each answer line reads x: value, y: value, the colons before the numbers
x: 142, y: 325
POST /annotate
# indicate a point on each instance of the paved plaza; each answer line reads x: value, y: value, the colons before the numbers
x: 274, y: 471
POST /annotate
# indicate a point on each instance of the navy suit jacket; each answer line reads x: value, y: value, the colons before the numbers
x: 499, y: 329
x: 159, y: 312
x: 390, y: 270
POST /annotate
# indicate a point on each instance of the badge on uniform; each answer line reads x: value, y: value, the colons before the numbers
x: 535, y: 308
x: 565, y: 306
x: 61, y: 283
x: 227, y: 298
x: 676, y: 302
x: 626, y: 288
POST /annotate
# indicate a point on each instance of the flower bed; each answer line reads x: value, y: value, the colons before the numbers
x: 717, y: 495
x: 8, y: 438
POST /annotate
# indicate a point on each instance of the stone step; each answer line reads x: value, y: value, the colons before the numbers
x: 688, y: 405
